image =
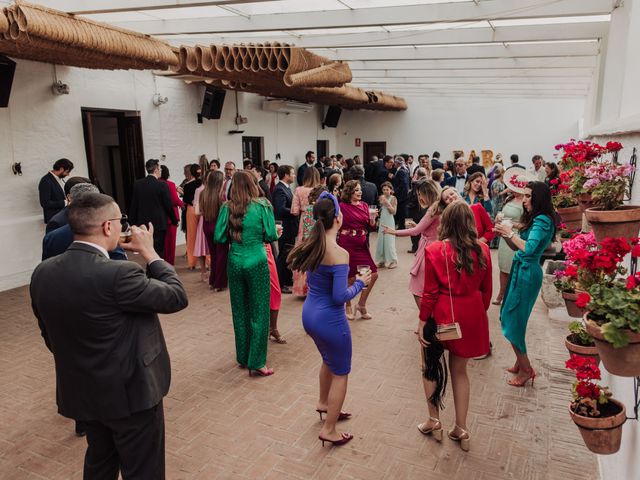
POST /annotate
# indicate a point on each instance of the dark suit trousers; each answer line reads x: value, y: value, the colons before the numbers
x: 285, y: 244
x: 401, y: 214
x: 158, y: 241
x: 134, y: 445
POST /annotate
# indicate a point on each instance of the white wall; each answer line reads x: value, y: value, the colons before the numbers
x: 38, y: 128
x: 508, y: 125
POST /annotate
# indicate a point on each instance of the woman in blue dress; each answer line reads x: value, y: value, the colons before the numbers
x: 323, y: 313
x: 537, y: 232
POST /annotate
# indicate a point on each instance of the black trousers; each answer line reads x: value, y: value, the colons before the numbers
x: 133, y: 445
x: 158, y: 241
x: 284, y: 274
x: 401, y: 214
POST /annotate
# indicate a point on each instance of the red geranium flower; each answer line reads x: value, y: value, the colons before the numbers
x: 583, y: 299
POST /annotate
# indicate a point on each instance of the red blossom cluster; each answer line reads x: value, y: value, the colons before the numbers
x: 587, y: 394
x: 613, y: 146
x: 582, y: 151
x: 583, y: 300
x: 604, y: 260
x: 586, y: 368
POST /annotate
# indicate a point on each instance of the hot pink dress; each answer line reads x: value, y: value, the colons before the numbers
x: 427, y: 228
x: 275, y: 296
x: 353, y: 236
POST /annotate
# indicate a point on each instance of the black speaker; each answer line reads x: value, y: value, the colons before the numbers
x: 212, y: 103
x: 7, y: 69
x: 332, y: 117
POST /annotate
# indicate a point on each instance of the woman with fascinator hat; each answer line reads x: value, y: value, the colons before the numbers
x: 323, y: 313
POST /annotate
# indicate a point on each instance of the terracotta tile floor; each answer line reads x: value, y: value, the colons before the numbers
x: 223, y: 424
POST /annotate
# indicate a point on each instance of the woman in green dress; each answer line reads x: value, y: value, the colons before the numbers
x: 538, y: 230
x: 248, y: 220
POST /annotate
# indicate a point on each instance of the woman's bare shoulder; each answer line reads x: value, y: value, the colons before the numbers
x: 335, y: 255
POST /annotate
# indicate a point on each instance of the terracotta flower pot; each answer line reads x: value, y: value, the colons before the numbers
x: 622, y: 222
x: 580, y: 350
x: 585, y: 201
x: 601, y: 435
x: 623, y: 361
x: 570, y: 302
x: 571, y: 217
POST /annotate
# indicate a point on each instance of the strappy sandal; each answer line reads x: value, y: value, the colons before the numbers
x: 463, y: 438
x: 275, y: 336
x: 435, y: 431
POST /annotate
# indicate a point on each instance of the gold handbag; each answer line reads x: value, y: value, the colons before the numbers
x: 449, y: 331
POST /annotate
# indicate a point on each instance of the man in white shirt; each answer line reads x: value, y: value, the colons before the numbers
x: 538, y: 168
x: 460, y: 178
x: 229, y: 170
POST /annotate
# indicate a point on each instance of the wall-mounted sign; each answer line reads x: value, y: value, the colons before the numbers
x: 357, y: 142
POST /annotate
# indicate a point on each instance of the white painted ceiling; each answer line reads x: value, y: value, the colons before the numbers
x: 492, y: 48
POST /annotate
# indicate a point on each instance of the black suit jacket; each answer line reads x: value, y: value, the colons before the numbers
x: 435, y: 164
x: 151, y: 202
x: 99, y: 319
x: 401, y: 183
x: 51, y: 196
x: 369, y: 192
x: 302, y: 168
x: 60, y: 219
x: 451, y: 181
x: 282, y: 197
x: 473, y: 168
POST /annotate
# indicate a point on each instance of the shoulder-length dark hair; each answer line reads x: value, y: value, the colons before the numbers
x: 540, y: 205
x: 308, y: 254
x: 210, y: 198
x: 244, y: 190
x: 458, y: 226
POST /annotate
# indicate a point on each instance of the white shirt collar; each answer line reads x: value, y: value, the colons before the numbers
x: 102, y: 249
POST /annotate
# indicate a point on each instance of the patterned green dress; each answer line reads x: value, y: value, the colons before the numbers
x: 249, y: 284
x: 525, y: 281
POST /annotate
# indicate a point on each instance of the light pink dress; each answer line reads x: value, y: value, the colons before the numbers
x: 299, y: 204
x: 427, y: 228
x: 200, y: 249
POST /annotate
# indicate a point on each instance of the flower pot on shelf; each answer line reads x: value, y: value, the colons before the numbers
x: 570, y: 302
x: 571, y: 217
x: 581, y: 350
x: 585, y: 201
x: 622, y: 222
x: 623, y: 361
x: 602, y: 434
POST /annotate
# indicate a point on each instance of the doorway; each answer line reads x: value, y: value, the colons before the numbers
x: 322, y: 148
x: 115, y: 157
x: 253, y: 149
x: 369, y: 149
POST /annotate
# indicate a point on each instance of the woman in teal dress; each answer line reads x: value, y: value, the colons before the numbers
x: 525, y: 280
x: 248, y: 220
x: 476, y: 190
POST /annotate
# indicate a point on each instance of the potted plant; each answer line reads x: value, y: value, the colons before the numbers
x: 580, y: 343
x: 608, y: 182
x: 565, y: 202
x: 598, y: 416
x: 566, y: 282
x: 613, y: 320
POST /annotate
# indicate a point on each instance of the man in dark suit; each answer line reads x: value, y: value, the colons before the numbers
x: 282, y: 197
x: 401, y: 183
x: 385, y: 173
x: 99, y: 319
x: 60, y: 218
x: 309, y: 162
x: 435, y: 161
x: 476, y: 167
x: 51, y: 188
x: 151, y: 203
x: 369, y: 190
x: 460, y: 178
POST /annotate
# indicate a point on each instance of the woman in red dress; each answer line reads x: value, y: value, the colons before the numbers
x: 356, y: 223
x: 176, y: 203
x: 458, y: 265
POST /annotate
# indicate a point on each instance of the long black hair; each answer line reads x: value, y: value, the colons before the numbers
x: 308, y: 254
x: 540, y: 205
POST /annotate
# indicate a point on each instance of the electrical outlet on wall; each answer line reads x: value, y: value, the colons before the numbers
x: 163, y: 157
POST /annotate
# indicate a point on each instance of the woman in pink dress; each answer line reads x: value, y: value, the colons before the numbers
x: 428, y: 195
x: 299, y: 204
x: 357, y: 221
x: 170, y: 238
x: 200, y: 247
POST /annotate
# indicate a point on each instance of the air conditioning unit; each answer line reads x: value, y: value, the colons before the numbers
x: 286, y: 106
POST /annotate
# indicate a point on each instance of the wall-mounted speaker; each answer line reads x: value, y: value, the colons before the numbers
x: 7, y: 69
x: 212, y: 103
x: 332, y: 117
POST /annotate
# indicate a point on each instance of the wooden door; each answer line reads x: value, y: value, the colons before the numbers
x: 369, y: 149
x: 131, y: 153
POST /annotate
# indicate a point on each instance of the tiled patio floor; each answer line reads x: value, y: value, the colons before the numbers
x: 222, y: 424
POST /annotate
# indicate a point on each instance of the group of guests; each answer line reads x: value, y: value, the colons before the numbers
x: 321, y: 232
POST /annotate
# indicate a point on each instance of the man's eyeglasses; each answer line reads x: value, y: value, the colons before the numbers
x: 124, y: 221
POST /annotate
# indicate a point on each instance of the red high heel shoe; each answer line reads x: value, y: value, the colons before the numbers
x: 346, y: 438
x: 341, y: 416
x: 521, y: 382
x: 262, y: 372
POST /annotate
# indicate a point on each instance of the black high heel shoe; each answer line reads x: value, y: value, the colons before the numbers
x: 342, y: 416
x: 346, y: 438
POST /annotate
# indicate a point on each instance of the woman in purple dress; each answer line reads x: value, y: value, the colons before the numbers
x: 357, y: 220
x: 323, y: 315
x: 209, y: 205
